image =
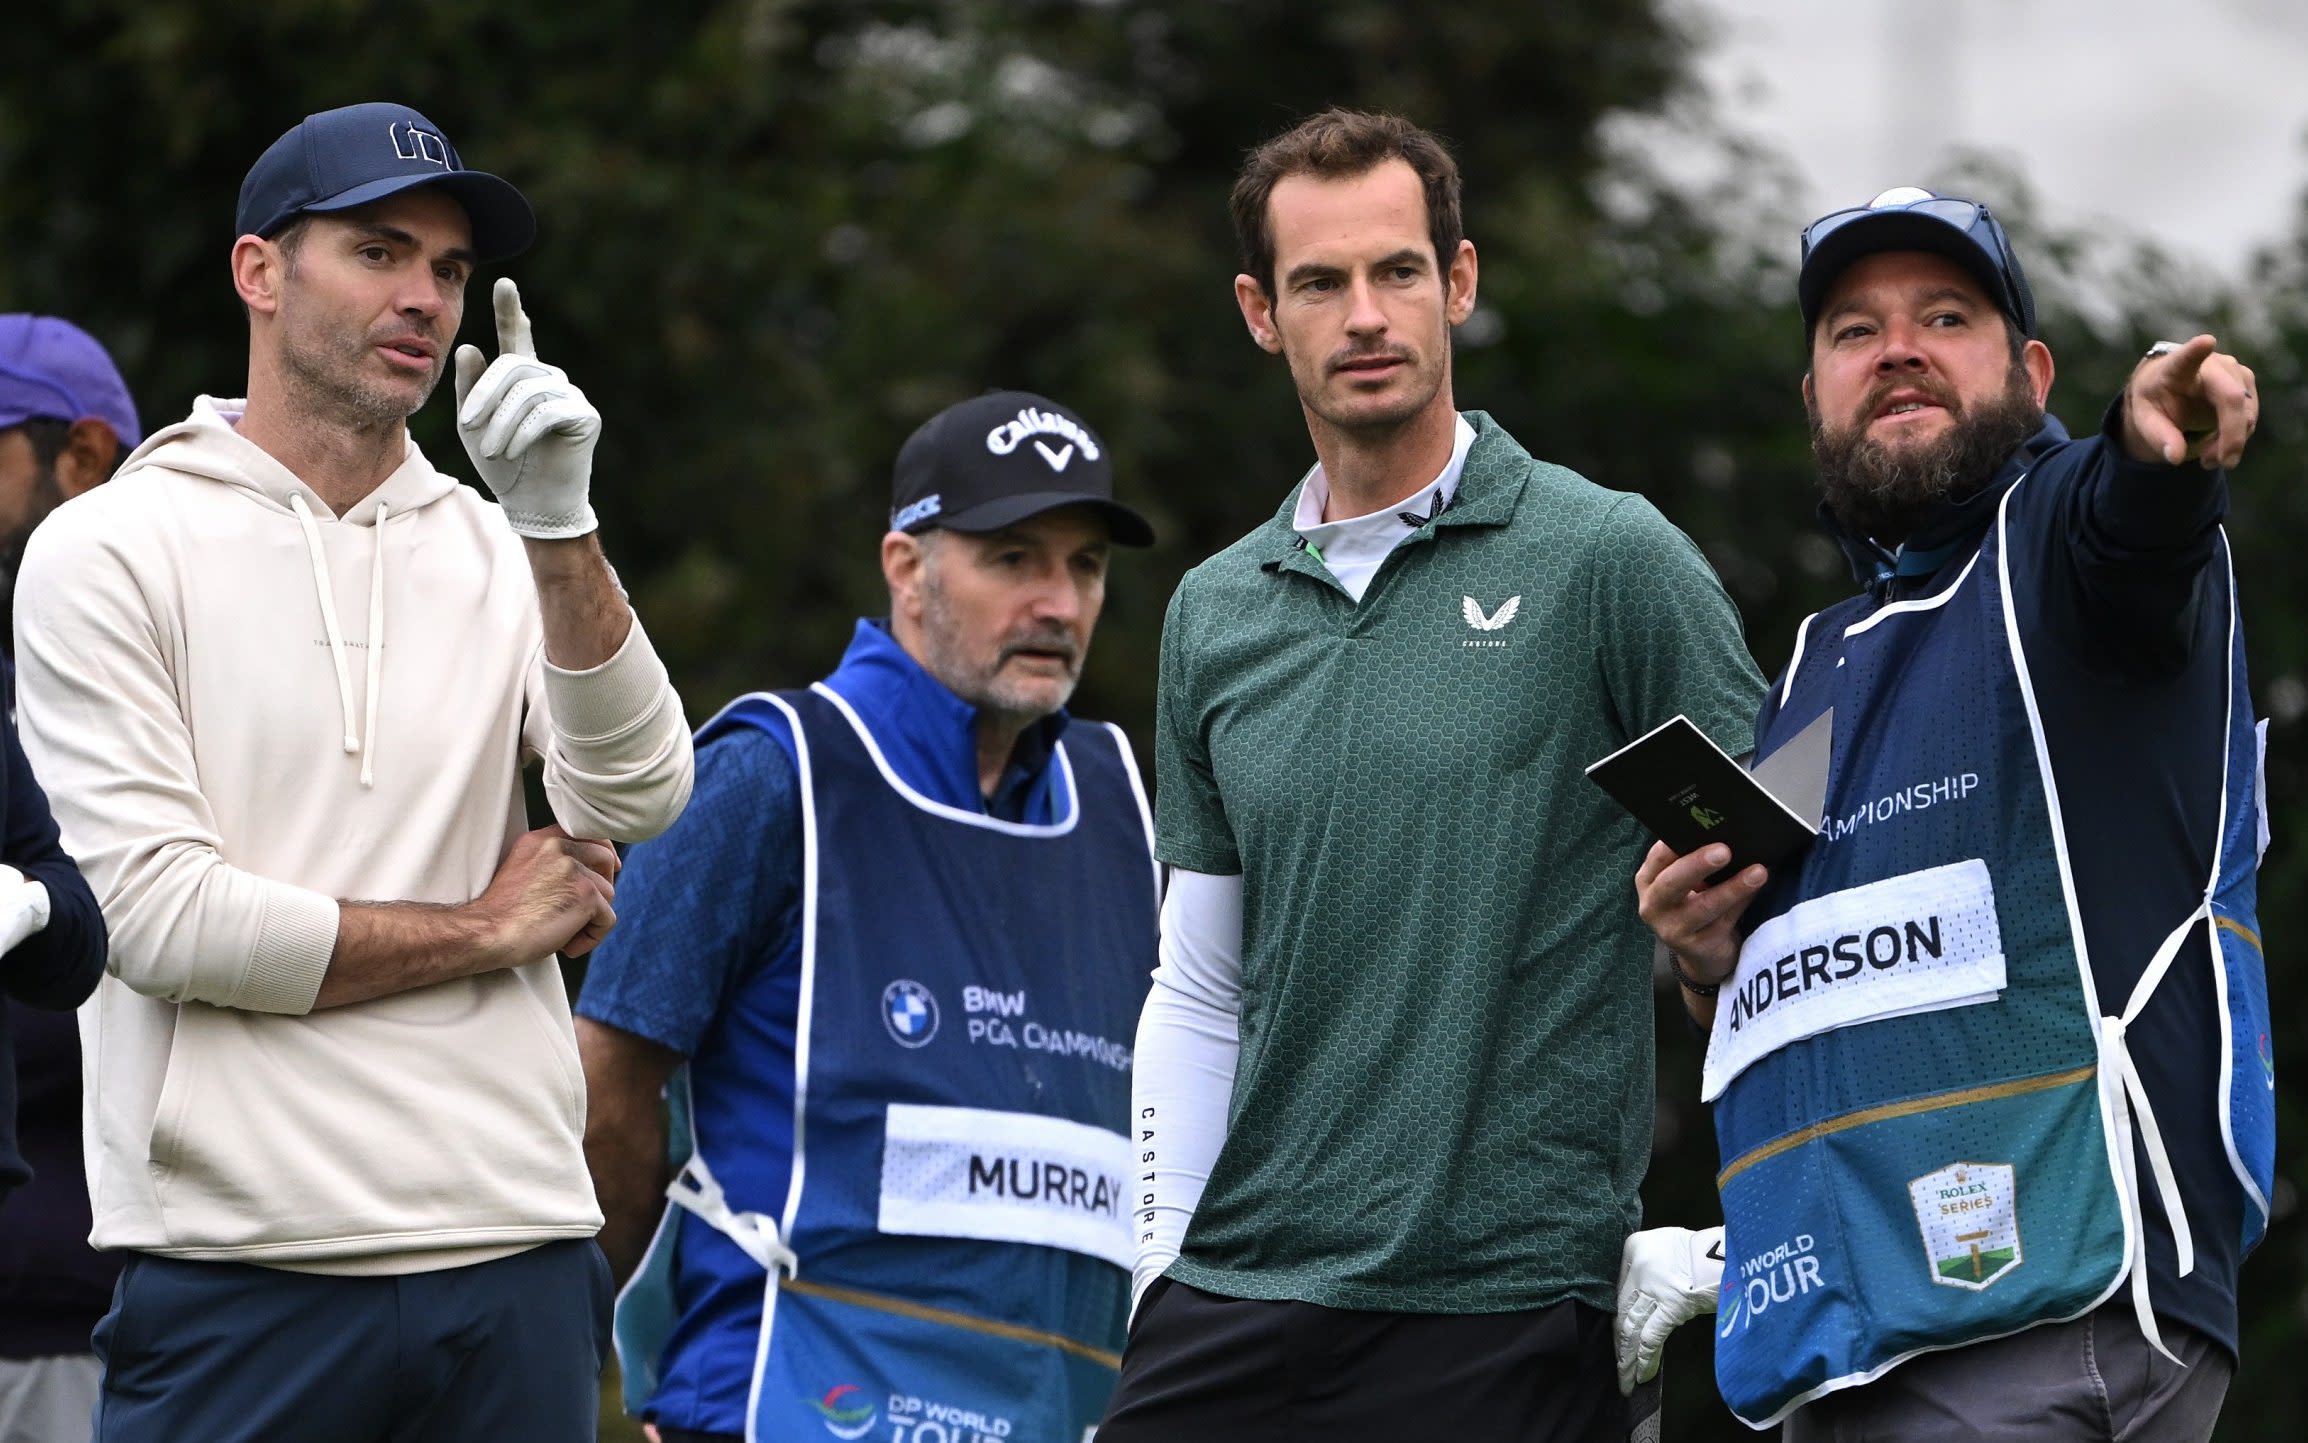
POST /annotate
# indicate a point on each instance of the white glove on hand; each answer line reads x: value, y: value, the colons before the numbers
x: 23, y: 907
x: 1667, y: 1277
x: 529, y: 431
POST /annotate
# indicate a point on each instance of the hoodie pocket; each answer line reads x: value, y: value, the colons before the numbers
x: 557, y: 1033
x: 443, y: 1116
x: 178, y: 1085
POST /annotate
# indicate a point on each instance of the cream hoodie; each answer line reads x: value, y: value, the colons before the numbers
x: 243, y: 708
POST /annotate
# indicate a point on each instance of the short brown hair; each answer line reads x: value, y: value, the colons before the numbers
x: 1340, y: 144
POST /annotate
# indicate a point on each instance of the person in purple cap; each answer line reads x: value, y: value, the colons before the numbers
x: 282, y: 677
x: 65, y: 417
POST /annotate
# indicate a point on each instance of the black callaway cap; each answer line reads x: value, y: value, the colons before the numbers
x: 984, y: 463
x: 356, y: 154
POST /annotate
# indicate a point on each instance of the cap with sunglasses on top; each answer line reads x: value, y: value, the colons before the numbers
x: 1908, y: 218
x: 996, y: 459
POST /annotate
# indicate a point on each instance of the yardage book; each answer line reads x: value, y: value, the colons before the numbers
x: 1689, y: 793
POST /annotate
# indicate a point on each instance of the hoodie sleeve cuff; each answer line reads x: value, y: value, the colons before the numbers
x: 291, y: 957
x: 607, y: 701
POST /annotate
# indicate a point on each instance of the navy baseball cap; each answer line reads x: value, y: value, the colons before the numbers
x: 347, y: 157
x: 984, y: 463
x: 1909, y: 218
x: 52, y: 370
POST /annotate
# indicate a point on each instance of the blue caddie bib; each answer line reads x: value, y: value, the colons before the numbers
x: 1925, y: 1120
x: 937, y: 1232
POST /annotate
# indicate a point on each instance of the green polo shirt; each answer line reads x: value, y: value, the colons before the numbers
x: 1444, y: 1097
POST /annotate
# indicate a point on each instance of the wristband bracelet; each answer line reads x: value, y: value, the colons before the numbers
x: 1686, y: 981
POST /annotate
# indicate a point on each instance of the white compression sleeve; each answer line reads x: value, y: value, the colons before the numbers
x: 1183, y: 1076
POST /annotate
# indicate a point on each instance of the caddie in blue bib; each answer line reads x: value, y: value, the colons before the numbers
x: 897, y: 950
x: 1926, y: 1120
x: 945, y: 1259
x: 1991, y: 1054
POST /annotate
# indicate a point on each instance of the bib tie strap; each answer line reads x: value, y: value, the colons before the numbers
x: 2127, y: 1101
x: 694, y: 1188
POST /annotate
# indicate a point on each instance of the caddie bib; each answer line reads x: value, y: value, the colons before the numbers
x: 942, y: 1255
x: 1925, y: 1120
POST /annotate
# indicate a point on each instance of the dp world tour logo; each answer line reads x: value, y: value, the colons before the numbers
x: 1969, y: 1214
x: 845, y: 1416
x: 910, y: 1012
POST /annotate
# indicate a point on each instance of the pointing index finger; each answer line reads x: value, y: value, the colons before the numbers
x: 513, y: 337
x: 2184, y: 363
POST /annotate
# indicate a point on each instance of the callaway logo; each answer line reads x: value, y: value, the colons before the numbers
x: 1476, y: 618
x: 1029, y: 423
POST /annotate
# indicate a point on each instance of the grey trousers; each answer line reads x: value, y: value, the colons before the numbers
x: 47, y: 1400
x: 2094, y: 1380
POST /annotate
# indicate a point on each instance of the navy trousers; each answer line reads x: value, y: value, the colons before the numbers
x: 508, y: 1351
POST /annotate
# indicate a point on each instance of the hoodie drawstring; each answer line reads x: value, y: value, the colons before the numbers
x: 376, y: 653
x: 335, y: 634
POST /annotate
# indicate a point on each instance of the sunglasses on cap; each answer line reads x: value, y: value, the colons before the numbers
x: 1972, y: 220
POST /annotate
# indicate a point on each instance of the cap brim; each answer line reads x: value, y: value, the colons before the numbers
x: 503, y: 224
x: 1893, y: 230
x: 1125, y: 526
x: 127, y: 435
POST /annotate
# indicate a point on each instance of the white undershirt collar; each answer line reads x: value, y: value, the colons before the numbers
x: 1354, y: 548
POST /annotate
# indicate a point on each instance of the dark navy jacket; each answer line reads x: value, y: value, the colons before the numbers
x: 53, y: 1285
x: 2122, y: 598
x: 57, y: 967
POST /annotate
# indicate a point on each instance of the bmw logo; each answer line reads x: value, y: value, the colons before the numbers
x: 910, y: 1012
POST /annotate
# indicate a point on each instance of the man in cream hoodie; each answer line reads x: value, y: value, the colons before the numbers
x: 281, y: 677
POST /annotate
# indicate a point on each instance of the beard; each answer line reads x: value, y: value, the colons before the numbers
x: 1883, y: 492
x: 982, y: 681
x: 327, y: 381
x: 1353, y: 414
x: 45, y: 496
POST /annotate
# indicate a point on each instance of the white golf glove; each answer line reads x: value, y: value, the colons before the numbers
x: 23, y: 907
x: 1667, y: 1277
x: 529, y: 430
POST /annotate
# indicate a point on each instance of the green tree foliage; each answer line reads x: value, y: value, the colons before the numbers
x: 777, y: 234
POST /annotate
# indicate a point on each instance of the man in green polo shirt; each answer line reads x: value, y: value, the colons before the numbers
x: 1394, y: 1081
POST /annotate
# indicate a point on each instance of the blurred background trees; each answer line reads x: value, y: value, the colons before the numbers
x: 777, y: 235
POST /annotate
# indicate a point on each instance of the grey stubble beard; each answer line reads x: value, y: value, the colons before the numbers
x: 986, y: 693
x: 321, y: 390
